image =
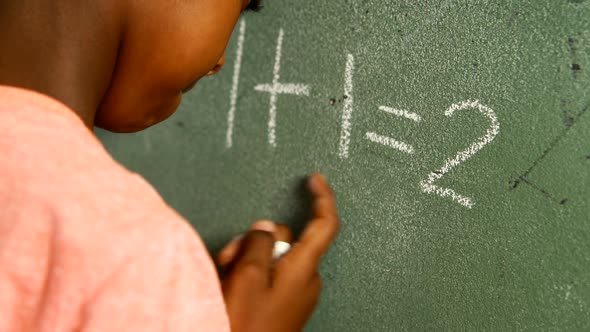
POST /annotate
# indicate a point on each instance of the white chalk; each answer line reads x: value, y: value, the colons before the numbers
x: 284, y: 88
x: 272, y: 118
x: 428, y: 185
x: 390, y: 142
x: 280, y: 249
x: 276, y: 88
x: 233, y: 96
x: 348, y: 108
x: 401, y: 113
x: 278, y: 54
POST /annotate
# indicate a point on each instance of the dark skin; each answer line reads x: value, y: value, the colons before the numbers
x: 123, y: 65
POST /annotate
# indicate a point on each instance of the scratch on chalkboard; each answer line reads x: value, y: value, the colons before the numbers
x: 575, y: 66
x: 516, y: 182
x: 574, y: 120
x: 572, y: 44
x: 568, y: 117
x: 522, y: 179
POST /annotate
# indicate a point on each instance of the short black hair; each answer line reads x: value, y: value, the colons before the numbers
x: 254, y: 5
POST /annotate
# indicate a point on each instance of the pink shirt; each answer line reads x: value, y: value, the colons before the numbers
x: 85, y: 245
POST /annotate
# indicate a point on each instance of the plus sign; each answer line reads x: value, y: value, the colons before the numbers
x: 276, y: 88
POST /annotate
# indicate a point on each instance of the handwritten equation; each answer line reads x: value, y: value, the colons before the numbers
x: 277, y: 88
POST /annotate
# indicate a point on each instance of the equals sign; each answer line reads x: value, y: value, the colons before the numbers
x: 390, y: 141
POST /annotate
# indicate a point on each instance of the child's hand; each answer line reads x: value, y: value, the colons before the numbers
x: 263, y: 295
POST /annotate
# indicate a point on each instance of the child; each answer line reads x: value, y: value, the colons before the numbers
x: 85, y: 245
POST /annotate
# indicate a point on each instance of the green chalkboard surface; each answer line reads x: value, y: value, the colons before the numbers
x: 456, y: 135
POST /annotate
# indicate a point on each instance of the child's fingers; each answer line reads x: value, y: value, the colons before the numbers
x: 324, y: 201
x: 230, y: 251
x: 283, y: 233
x: 320, y: 231
x: 254, y: 261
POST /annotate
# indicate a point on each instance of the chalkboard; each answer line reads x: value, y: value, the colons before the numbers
x: 456, y: 135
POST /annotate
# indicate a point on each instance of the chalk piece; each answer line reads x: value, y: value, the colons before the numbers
x: 280, y: 249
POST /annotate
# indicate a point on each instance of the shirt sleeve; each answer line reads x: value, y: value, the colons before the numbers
x: 86, y: 245
x: 168, y: 286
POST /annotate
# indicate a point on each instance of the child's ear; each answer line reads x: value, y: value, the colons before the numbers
x: 218, y: 66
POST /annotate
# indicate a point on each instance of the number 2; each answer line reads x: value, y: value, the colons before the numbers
x: 428, y: 185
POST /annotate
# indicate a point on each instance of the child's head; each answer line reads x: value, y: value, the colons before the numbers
x: 121, y: 64
x: 167, y: 46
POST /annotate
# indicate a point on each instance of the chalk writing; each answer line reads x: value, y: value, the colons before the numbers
x: 401, y: 113
x: 428, y: 185
x: 276, y: 89
x: 348, y: 107
x: 233, y: 98
x: 392, y: 142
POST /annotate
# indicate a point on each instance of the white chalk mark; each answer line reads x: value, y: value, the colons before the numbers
x: 286, y: 88
x: 276, y: 88
x: 428, y: 185
x: 272, y: 121
x: 278, y: 55
x: 272, y: 118
x: 348, y: 108
x: 233, y: 95
x: 390, y: 142
x: 401, y: 113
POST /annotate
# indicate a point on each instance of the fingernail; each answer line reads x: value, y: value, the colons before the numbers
x: 265, y: 226
x: 315, y: 181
